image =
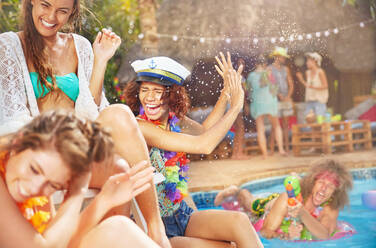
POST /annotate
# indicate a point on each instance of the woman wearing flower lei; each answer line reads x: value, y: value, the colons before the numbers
x: 158, y: 95
x: 55, y: 151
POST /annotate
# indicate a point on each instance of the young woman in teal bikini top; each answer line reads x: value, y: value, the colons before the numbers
x: 68, y: 84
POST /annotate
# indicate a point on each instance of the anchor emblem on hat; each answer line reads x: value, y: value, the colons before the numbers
x: 152, y: 64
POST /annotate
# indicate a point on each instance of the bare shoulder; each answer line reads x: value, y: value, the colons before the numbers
x: 321, y: 71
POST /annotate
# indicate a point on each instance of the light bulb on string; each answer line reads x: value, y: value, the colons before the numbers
x: 326, y: 33
x: 291, y: 38
x: 255, y: 40
x: 318, y: 34
x: 335, y: 30
x: 282, y: 39
x: 202, y: 40
x: 140, y: 36
x: 300, y: 37
x: 174, y: 37
x: 228, y: 40
x: 361, y: 24
x: 273, y: 40
x: 309, y: 36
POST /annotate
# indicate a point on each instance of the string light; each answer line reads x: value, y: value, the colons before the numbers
x: 271, y: 39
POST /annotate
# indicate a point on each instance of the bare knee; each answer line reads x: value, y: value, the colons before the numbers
x: 118, y: 117
x: 116, y: 222
x: 117, y: 231
x: 239, y: 222
x: 241, y: 219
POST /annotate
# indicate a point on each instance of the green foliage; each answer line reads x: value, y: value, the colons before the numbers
x: 372, y: 5
x: 9, y: 14
x: 120, y: 15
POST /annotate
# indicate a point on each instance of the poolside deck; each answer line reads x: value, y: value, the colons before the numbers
x: 218, y: 174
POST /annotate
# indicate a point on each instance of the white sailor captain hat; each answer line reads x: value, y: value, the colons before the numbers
x: 161, y: 70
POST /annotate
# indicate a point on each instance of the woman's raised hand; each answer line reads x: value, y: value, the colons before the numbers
x: 122, y: 187
x: 105, y: 45
x: 224, y: 67
x: 235, y: 89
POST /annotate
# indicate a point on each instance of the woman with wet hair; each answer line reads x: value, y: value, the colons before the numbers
x: 160, y: 99
x: 55, y: 152
x: 325, y: 192
x: 43, y: 68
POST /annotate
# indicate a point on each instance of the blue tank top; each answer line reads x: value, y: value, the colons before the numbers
x: 69, y: 84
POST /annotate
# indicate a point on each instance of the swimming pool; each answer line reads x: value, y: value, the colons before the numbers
x: 362, y: 218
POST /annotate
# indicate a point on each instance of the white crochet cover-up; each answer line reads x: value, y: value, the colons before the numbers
x: 18, y: 104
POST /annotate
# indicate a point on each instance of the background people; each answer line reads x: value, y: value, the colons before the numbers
x: 282, y: 75
x: 264, y: 104
x: 316, y: 85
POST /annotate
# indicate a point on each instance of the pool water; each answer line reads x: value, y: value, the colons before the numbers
x: 359, y: 216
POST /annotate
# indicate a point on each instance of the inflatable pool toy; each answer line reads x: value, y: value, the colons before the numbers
x: 231, y: 203
x: 343, y: 229
x: 369, y: 199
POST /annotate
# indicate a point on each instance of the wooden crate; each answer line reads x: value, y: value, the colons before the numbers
x: 361, y: 134
x: 329, y: 137
x: 251, y: 146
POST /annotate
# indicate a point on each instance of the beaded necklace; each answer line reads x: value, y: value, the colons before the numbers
x: 29, y: 208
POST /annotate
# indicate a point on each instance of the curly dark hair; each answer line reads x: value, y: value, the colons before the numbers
x: 176, y: 95
x: 340, y: 196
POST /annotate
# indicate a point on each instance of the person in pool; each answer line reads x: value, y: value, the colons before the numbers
x: 43, y: 68
x: 158, y: 95
x: 55, y: 151
x: 325, y: 192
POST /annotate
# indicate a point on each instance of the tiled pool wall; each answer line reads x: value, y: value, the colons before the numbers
x: 206, y: 199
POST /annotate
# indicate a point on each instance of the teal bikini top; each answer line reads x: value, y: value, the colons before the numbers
x: 67, y: 83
